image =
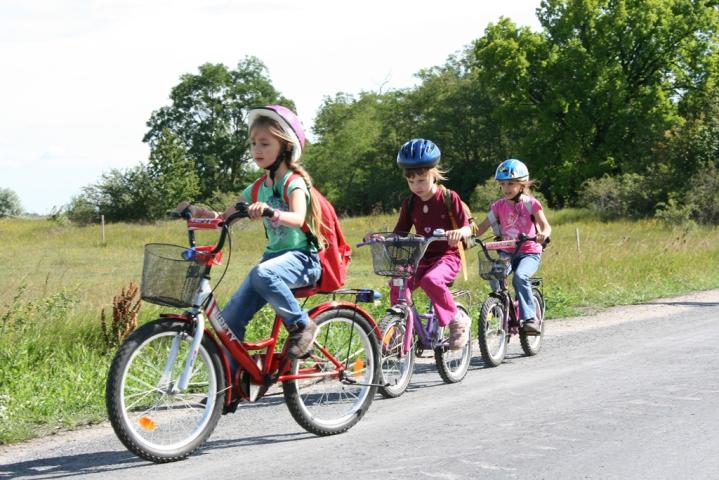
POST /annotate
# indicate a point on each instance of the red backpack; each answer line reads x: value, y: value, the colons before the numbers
x: 335, y: 254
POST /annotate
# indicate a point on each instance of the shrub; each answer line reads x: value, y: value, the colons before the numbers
x: 622, y: 196
x: 9, y: 203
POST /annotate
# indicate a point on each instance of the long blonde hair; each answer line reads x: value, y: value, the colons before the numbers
x: 314, y: 213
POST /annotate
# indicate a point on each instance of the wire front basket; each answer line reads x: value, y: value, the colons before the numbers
x: 168, y: 277
x: 493, y: 270
x: 397, y: 256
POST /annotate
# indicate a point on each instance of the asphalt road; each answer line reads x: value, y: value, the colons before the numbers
x: 632, y: 392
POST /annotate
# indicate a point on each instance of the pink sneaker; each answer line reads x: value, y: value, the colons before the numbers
x: 459, y: 331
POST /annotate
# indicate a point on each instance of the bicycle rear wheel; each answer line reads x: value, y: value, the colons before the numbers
x: 532, y: 344
x: 396, y: 369
x: 150, y: 419
x: 453, y: 364
x: 491, y: 333
x: 331, y: 404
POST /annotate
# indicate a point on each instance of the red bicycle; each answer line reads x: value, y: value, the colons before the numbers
x: 170, y: 380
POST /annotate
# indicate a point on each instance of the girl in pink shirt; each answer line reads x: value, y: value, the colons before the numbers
x: 426, y: 212
x: 516, y: 213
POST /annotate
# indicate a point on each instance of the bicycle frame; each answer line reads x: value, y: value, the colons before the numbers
x: 273, y: 365
x: 405, y: 306
x: 510, y: 322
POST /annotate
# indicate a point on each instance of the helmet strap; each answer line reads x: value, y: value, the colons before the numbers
x: 272, y: 169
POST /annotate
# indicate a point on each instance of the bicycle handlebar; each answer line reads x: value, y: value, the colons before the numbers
x: 498, y: 245
x: 436, y: 235
x: 194, y: 223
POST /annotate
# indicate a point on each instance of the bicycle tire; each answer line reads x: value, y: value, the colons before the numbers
x: 532, y: 344
x: 395, y: 370
x: 452, y: 365
x: 326, y: 405
x: 491, y: 334
x: 149, y: 420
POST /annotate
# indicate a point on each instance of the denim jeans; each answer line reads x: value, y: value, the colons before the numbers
x: 271, y: 281
x: 524, y: 266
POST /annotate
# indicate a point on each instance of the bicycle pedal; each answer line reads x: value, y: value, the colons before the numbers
x: 232, y: 407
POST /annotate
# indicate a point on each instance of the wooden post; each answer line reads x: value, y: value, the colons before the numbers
x: 102, y: 229
x: 579, y: 249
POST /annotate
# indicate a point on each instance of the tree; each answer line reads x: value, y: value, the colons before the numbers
x: 120, y: 195
x: 9, y: 203
x: 597, y: 89
x: 171, y: 174
x: 206, y: 119
x: 352, y: 162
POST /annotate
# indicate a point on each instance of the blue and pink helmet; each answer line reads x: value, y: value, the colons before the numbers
x: 287, y: 120
x: 511, y: 169
x: 418, y: 153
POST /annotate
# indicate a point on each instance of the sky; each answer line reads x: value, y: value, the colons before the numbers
x: 79, y: 79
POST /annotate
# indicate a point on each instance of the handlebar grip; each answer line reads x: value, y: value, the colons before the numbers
x: 269, y: 212
x: 186, y: 213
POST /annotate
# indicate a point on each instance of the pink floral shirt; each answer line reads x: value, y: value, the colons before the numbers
x: 515, y: 219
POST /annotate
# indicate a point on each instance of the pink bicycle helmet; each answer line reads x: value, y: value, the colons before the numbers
x: 289, y: 122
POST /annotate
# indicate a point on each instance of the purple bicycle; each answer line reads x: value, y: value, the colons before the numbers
x: 405, y: 332
x: 499, y: 316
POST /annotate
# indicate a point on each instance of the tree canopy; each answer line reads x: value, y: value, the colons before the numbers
x: 609, y: 95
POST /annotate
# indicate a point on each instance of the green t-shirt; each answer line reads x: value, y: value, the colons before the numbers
x: 281, y: 237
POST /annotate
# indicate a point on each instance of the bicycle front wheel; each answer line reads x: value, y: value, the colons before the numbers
x: 453, y: 364
x: 491, y: 332
x: 340, y: 375
x: 396, y: 368
x: 149, y: 416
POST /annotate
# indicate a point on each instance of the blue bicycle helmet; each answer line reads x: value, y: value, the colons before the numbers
x: 418, y: 153
x: 512, y: 169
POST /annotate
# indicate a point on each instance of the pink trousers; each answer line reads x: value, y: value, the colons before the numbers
x: 434, y: 275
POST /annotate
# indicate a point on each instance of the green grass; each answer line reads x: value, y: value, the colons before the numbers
x: 58, y: 278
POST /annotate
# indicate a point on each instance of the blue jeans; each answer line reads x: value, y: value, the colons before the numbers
x: 271, y: 281
x: 524, y: 266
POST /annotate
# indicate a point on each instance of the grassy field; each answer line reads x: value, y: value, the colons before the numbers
x: 58, y: 278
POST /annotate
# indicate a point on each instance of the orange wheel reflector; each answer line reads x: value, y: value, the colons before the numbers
x: 147, y: 423
x: 359, y: 368
x: 388, y: 335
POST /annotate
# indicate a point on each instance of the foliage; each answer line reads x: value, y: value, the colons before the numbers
x: 622, y: 196
x: 606, y: 92
x: 10, y: 205
x: 205, y: 122
x: 120, y: 195
x: 171, y: 174
x: 594, y: 91
x: 80, y: 210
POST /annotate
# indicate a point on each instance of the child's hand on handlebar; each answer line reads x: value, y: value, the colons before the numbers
x: 454, y: 237
x: 197, y: 212
x: 369, y: 236
x: 255, y: 210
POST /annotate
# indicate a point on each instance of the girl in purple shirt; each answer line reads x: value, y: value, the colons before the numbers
x: 516, y: 213
x: 428, y: 212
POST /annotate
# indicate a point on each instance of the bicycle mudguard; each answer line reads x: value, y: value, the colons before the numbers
x: 323, y: 307
x: 225, y: 363
x: 398, y: 309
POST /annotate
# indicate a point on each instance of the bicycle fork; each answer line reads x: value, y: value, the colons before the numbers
x: 203, y: 292
x: 181, y: 385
